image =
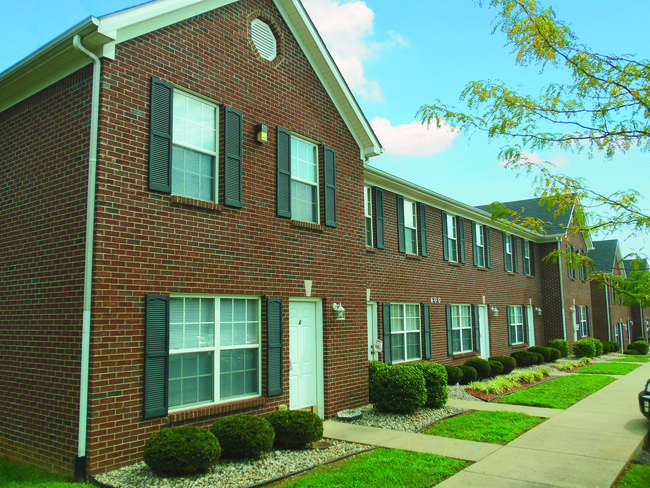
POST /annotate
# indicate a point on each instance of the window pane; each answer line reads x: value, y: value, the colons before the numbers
x: 303, y: 202
x: 239, y: 373
x: 396, y: 318
x: 411, y: 241
x: 397, y: 347
x: 467, y: 340
x: 455, y: 340
x: 413, y: 345
x: 191, y: 378
x: 192, y: 174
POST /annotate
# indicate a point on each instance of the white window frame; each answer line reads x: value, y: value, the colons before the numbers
x: 526, y: 257
x: 178, y: 142
x: 508, y: 253
x: 582, y: 320
x: 452, y: 238
x: 367, y: 205
x: 518, y: 326
x: 479, y: 237
x: 462, y: 327
x: 216, y: 348
x: 410, y: 227
x: 296, y: 204
x: 402, y: 330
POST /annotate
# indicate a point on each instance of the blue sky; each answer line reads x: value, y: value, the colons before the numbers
x: 398, y: 55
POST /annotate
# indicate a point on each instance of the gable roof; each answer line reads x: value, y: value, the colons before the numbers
x: 605, y: 255
x: 628, y: 265
x: 59, y: 58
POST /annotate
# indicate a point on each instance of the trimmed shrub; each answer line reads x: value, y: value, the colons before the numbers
x: 611, y: 346
x: 243, y: 436
x: 631, y: 352
x: 584, y: 348
x: 636, y: 339
x: 295, y: 429
x: 597, y: 344
x: 435, y: 381
x: 509, y: 363
x: 555, y: 354
x: 561, y: 345
x: 525, y: 358
x: 496, y: 367
x: 373, y: 368
x: 454, y: 375
x: 641, y: 346
x: 400, y: 390
x: 544, y: 351
x: 469, y: 375
x: 481, y: 366
x: 539, y: 357
x: 181, y: 451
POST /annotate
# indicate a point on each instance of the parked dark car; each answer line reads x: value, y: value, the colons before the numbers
x: 644, y: 400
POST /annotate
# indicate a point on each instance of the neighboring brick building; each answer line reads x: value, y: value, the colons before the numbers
x: 639, y: 316
x: 217, y: 255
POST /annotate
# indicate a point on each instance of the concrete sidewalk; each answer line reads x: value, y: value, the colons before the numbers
x: 587, y: 445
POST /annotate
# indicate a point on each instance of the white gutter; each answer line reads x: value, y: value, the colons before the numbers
x: 80, y: 460
x: 559, y: 248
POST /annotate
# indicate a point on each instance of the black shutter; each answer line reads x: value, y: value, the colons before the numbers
x: 379, y: 216
x: 531, y: 253
x: 511, y: 339
x: 445, y: 237
x: 524, y: 317
x: 160, y: 136
x: 426, y: 310
x: 423, y: 229
x: 329, y: 173
x: 283, y: 173
x: 474, y: 246
x: 233, y: 149
x: 588, y: 321
x: 156, y: 355
x: 515, y: 254
x: 477, y: 329
x: 506, y: 259
x: 274, y: 349
x: 461, y: 240
x: 450, y: 339
x: 569, y: 260
x: 386, y: 322
x: 401, y: 236
x: 488, y: 248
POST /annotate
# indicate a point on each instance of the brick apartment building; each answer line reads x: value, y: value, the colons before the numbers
x: 639, y: 316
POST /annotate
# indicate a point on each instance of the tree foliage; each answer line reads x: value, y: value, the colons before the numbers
x: 604, y: 108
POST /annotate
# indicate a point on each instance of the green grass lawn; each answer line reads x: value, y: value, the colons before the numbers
x: 636, y: 476
x: 481, y: 426
x: 25, y: 476
x: 609, y: 368
x: 561, y: 392
x: 631, y: 359
x: 381, y: 468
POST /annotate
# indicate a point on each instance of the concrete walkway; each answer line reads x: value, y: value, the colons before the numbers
x: 586, y: 445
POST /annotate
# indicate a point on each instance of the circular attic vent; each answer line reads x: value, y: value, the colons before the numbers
x: 264, y: 39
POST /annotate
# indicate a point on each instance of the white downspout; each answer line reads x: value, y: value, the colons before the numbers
x: 559, y: 248
x: 80, y: 460
x: 609, y: 315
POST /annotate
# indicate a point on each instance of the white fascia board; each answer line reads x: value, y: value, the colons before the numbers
x: 329, y: 75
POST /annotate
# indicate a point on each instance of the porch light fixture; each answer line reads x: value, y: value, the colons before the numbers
x: 340, y: 311
x: 538, y: 310
x: 495, y: 311
x: 572, y: 308
x: 261, y: 133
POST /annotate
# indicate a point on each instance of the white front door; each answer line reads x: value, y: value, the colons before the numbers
x: 373, y: 354
x: 530, y: 320
x: 305, y: 376
x: 484, y: 331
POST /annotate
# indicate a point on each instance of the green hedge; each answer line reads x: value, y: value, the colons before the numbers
x: 641, y: 346
x: 454, y: 375
x: 481, y: 366
x: 373, y: 368
x: 546, y: 352
x: 509, y: 363
x: 399, y: 389
x: 295, y: 429
x: 243, y: 436
x: 525, y: 358
x: 584, y: 348
x: 469, y: 375
x: 561, y: 345
x: 496, y: 367
x: 435, y: 382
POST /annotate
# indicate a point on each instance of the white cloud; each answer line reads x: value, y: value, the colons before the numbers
x: 345, y: 26
x: 557, y: 160
x: 413, y: 139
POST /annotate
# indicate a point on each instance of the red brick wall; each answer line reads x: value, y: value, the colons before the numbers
x: 397, y: 277
x: 146, y: 243
x: 43, y: 180
x: 599, y: 312
x: 575, y: 289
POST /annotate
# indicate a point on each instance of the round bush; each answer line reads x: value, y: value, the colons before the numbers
x: 584, y: 348
x: 597, y: 344
x: 400, y: 390
x: 496, y: 367
x: 454, y: 375
x: 373, y: 368
x: 612, y: 346
x: 435, y: 381
x: 544, y: 351
x: 561, y: 345
x: 469, y: 375
x: 636, y: 339
x: 481, y: 366
x: 243, y: 436
x: 509, y: 363
x: 555, y: 354
x: 181, y: 451
x: 525, y: 358
x: 540, y: 358
x: 641, y: 346
x: 295, y: 429
x: 631, y: 352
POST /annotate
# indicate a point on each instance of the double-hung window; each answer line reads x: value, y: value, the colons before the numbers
x: 452, y: 238
x: 583, y: 320
x: 405, y: 337
x: 509, y: 253
x: 526, y: 256
x: 460, y: 318
x: 515, y: 324
x: 481, y: 246
x: 569, y: 262
x: 367, y: 205
x: 410, y: 227
x: 214, y: 350
x: 304, y: 181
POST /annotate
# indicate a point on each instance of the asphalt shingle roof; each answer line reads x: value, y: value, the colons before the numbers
x: 604, y: 255
x: 532, y: 208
